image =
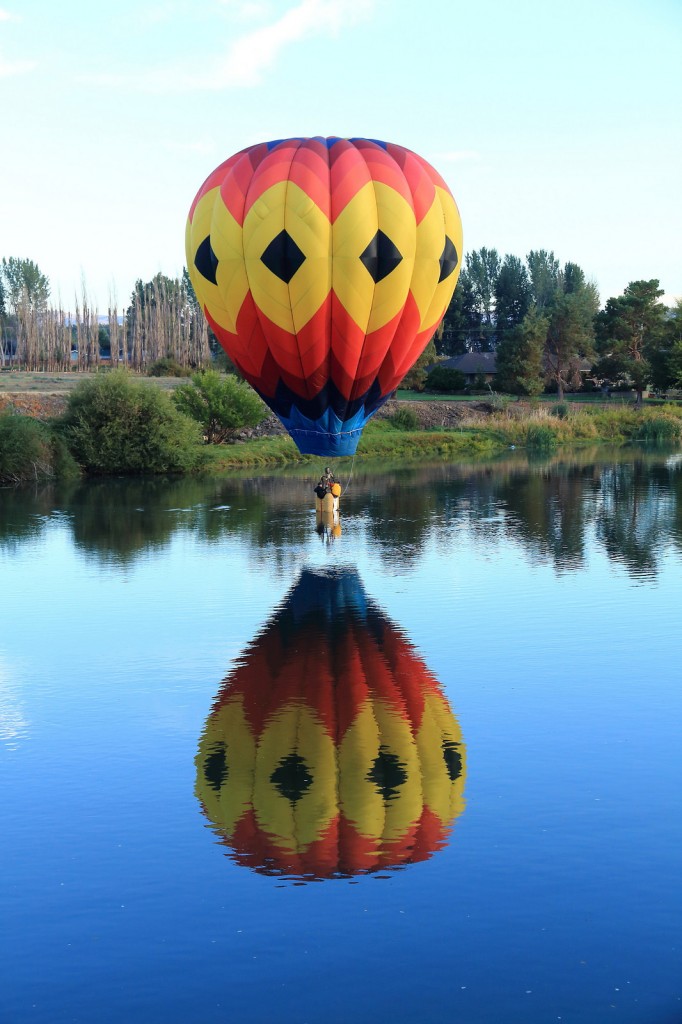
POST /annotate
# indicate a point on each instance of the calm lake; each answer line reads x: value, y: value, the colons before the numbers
x: 222, y: 724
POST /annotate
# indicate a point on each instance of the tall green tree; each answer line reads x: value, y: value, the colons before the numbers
x: 512, y: 295
x: 520, y: 356
x: 483, y: 268
x: 631, y: 330
x: 544, y: 276
x: 570, y: 335
x: 674, y: 349
x: 666, y: 356
x: 461, y: 320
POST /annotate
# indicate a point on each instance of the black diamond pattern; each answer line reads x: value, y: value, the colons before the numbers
x: 206, y: 260
x: 283, y: 257
x: 215, y: 766
x: 388, y: 774
x: 381, y: 257
x: 291, y: 778
x: 448, y: 260
x: 453, y: 760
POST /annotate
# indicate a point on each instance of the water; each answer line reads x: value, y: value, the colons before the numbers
x: 422, y: 765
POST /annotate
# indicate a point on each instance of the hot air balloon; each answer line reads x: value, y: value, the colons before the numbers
x: 324, y: 267
x: 331, y: 749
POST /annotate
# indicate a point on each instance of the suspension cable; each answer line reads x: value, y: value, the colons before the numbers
x: 350, y: 477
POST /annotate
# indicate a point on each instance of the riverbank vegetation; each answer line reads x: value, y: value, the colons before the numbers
x: 115, y: 423
x: 32, y: 451
x: 530, y: 427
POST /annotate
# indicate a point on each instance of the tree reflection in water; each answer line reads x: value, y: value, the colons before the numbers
x: 629, y: 500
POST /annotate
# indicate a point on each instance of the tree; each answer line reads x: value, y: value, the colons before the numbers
x: 520, y: 356
x: 196, y: 314
x: 164, y: 320
x: 630, y: 330
x: 221, y: 404
x: 674, y: 350
x: 570, y: 334
x: 543, y: 272
x: 483, y: 268
x: 415, y: 378
x: 512, y: 295
x: 460, y: 322
x: 675, y: 365
x: 24, y: 283
x: 666, y: 357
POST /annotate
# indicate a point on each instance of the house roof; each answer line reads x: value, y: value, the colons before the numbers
x: 472, y: 362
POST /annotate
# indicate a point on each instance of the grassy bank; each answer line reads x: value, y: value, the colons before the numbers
x: 533, y: 428
x: 379, y: 440
x: 115, y: 425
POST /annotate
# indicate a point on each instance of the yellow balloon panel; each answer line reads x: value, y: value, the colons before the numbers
x: 295, y: 780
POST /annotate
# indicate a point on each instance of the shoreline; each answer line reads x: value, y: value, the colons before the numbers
x: 441, y: 429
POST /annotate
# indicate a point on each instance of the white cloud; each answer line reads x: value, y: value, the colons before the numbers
x: 252, y: 54
x: 6, y: 16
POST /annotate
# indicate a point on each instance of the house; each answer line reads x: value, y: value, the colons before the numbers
x: 474, y: 365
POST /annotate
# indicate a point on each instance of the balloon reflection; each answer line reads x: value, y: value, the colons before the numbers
x: 331, y: 749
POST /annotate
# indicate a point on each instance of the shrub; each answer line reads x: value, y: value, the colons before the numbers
x: 659, y: 428
x: 114, y: 424
x: 560, y: 410
x: 29, y: 450
x: 221, y: 404
x: 444, y: 380
x: 479, y: 383
x: 540, y: 438
x: 168, y: 367
x: 405, y: 419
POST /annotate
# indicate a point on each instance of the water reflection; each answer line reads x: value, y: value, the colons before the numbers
x: 331, y: 749
x: 13, y: 723
x: 327, y: 522
x: 628, y: 501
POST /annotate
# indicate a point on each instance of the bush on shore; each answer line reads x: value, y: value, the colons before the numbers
x: 30, y: 450
x: 540, y: 437
x: 114, y: 424
x: 405, y: 419
x: 220, y: 403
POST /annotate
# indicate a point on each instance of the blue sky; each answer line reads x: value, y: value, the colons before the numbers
x: 556, y: 125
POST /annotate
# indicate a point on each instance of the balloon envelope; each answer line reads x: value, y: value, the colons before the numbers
x: 331, y: 750
x: 324, y: 267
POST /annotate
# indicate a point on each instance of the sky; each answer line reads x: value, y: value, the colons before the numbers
x: 556, y: 125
